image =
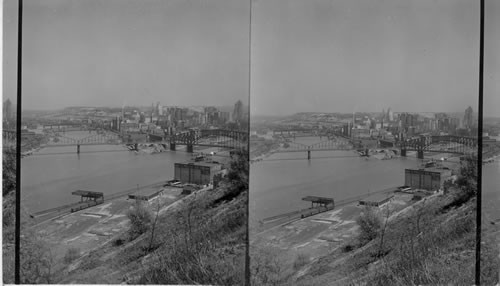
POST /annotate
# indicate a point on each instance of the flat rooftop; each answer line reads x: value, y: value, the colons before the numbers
x: 377, y: 197
x: 201, y: 163
x: 154, y: 190
x: 90, y: 194
x: 315, y: 199
x: 431, y: 169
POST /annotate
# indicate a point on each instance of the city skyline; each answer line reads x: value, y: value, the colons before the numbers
x: 128, y: 52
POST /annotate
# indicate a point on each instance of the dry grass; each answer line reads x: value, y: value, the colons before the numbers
x: 433, y: 243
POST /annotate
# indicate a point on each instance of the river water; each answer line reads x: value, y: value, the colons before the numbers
x: 278, y: 182
x: 50, y: 175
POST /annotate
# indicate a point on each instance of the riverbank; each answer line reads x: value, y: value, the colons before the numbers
x: 85, y: 231
x: 299, y: 243
x: 210, y: 243
x: 262, y: 148
x: 327, y: 249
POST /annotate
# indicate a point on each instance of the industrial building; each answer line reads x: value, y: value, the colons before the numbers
x: 430, y: 179
x: 376, y: 200
x: 200, y: 173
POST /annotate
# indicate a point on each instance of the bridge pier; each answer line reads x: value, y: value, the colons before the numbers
x: 136, y: 147
x: 189, y: 148
x: 172, y: 146
x: 308, y: 154
x: 403, y: 152
x: 420, y: 154
x: 78, y: 149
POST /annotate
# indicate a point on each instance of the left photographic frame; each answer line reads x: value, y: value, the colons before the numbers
x: 134, y: 141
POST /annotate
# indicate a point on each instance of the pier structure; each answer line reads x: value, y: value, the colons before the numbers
x: 319, y: 201
x: 88, y: 199
x: 88, y: 195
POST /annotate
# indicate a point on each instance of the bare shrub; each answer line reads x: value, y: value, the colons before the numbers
x: 200, y: 242
x: 301, y: 260
x: 71, y: 255
x: 268, y: 267
x: 347, y: 248
x: 37, y: 260
x: 118, y: 241
x: 140, y: 220
x: 370, y: 225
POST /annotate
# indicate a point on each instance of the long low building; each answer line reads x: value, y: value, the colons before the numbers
x: 200, y: 173
x: 431, y: 179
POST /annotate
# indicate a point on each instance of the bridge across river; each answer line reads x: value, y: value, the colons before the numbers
x: 423, y: 144
x: 439, y: 144
x: 230, y: 139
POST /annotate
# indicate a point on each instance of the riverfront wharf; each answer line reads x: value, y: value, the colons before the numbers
x: 51, y: 213
x: 306, y: 212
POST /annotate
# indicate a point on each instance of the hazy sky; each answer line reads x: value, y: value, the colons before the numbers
x: 315, y: 55
x: 491, y: 98
x: 364, y: 55
x: 110, y: 52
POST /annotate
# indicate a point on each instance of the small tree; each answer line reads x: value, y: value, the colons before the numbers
x: 37, y: 259
x: 467, y: 179
x: 71, y: 255
x: 153, y: 227
x: 370, y: 224
x: 383, y: 229
x: 140, y: 220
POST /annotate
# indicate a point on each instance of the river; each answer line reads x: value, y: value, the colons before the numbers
x: 50, y: 175
x: 278, y: 183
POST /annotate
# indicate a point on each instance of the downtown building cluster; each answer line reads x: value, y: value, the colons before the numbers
x: 172, y: 119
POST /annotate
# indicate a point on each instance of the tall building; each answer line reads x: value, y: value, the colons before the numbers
x: 238, y: 111
x: 7, y: 110
x: 468, y: 121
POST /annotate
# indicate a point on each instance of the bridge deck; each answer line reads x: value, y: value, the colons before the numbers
x: 314, y: 149
x: 81, y: 144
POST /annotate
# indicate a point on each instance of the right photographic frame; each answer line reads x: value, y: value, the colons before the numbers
x: 490, y: 171
x: 365, y: 143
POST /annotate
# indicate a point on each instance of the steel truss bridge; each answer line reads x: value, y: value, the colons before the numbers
x: 331, y: 144
x: 106, y: 138
x: 439, y: 144
x: 326, y: 145
x: 230, y: 139
x: 338, y: 139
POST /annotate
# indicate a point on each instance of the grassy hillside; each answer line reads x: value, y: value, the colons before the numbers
x: 200, y: 239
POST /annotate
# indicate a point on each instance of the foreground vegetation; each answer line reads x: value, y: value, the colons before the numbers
x: 200, y: 239
x: 36, y: 258
x: 9, y: 219
x: 204, y: 241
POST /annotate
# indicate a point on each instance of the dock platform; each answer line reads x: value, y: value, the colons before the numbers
x: 376, y: 199
x: 319, y: 201
x: 88, y: 195
x: 91, y: 199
